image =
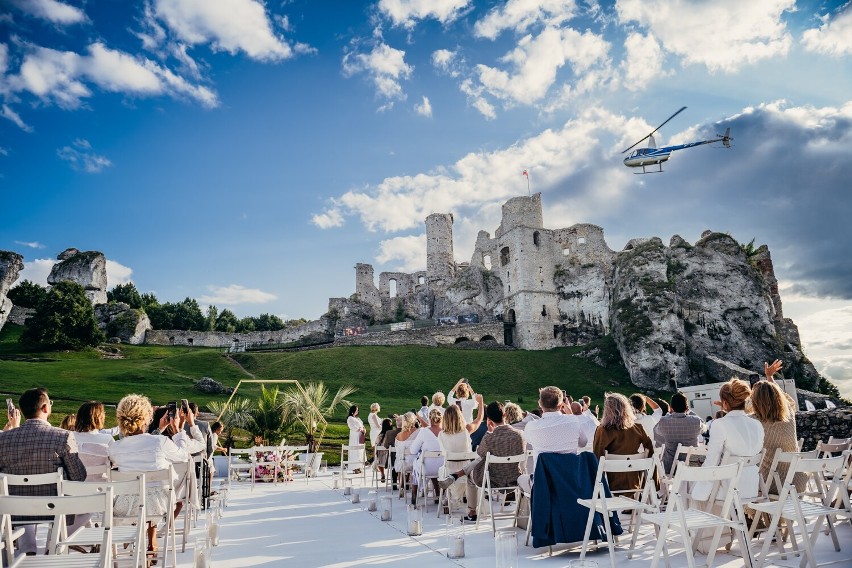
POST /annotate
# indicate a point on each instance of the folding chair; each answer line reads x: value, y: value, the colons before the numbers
x: 353, y: 456
x: 292, y: 455
x: 163, y: 479
x: 423, y: 488
x: 405, y: 469
x: 267, y: 457
x: 58, y: 508
x: 185, y: 475
x: 240, y: 463
x: 13, y: 480
x: 376, y: 464
x: 14, y: 535
x: 497, y: 492
x: 791, y: 507
x: 782, y: 458
x: 457, y: 458
x: 620, y: 501
x: 687, y: 522
x: 130, y: 534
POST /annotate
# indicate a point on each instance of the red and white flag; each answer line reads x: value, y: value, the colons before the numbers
x: 526, y: 174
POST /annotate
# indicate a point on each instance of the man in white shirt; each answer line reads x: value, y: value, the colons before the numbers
x: 640, y: 404
x: 587, y: 422
x: 554, y: 432
x: 587, y: 409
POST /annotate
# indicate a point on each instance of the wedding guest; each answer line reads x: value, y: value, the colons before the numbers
x: 463, y: 395
x: 640, y: 404
x: 677, y: 427
x: 426, y: 441
x: 404, y: 463
x: 588, y: 424
x: 620, y: 434
x: 93, y: 441
x: 356, y: 437
x: 383, y: 441
x: 68, y: 422
x: 375, y: 423
x: 438, y: 400
x: 455, y: 438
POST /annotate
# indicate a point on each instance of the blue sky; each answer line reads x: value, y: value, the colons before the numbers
x: 248, y: 154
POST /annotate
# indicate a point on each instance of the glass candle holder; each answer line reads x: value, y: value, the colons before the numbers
x: 387, y: 507
x: 415, y: 520
x: 356, y: 496
x: 455, y: 538
x: 372, y: 498
x: 506, y: 549
x: 212, y: 530
x: 201, y: 553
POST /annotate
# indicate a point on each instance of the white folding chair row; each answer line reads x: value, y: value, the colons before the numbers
x: 792, y: 508
x: 128, y: 531
x: 424, y: 480
x: 625, y: 500
x: 495, y: 492
x: 163, y: 479
x: 688, y: 522
x: 353, y: 456
x: 30, y: 480
x: 456, y: 458
x: 59, y: 508
x: 290, y: 456
x: 240, y: 464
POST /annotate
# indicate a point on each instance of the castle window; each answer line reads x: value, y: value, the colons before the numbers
x: 536, y: 238
x: 581, y: 240
x: 539, y: 270
x: 566, y: 251
x: 392, y: 287
x: 421, y: 279
x: 486, y: 261
x: 504, y: 256
x: 544, y: 310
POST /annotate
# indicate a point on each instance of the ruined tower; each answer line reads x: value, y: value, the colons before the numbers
x: 365, y: 284
x: 440, y: 263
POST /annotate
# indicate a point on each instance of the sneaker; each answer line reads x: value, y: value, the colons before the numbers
x: 446, y: 482
x: 469, y: 519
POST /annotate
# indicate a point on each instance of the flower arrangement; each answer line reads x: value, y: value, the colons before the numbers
x: 267, y: 467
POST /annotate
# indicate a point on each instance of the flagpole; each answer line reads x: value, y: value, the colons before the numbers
x: 526, y: 174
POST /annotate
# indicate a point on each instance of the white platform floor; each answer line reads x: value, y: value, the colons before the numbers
x: 307, y: 525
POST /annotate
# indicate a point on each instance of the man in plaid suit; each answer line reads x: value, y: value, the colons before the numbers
x: 677, y: 427
x: 37, y: 447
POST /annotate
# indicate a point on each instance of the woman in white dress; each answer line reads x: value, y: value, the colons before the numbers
x: 138, y: 450
x: 93, y: 441
x: 375, y: 424
x: 426, y: 441
x: 404, y: 462
x: 356, y: 437
x: 455, y: 438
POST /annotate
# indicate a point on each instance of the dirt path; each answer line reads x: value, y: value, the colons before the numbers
x: 240, y: 367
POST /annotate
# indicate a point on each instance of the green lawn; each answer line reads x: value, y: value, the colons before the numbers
x: 395, y: 377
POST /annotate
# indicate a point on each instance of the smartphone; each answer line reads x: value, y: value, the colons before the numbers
x: 10, y: 406
x: 171, y: 409
x: 467, y: 382
x: 754, y: 378
x: 184, y: 405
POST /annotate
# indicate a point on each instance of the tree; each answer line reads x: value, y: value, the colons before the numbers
x: 270, y: 417
x: 27, y: 294
x: 210, y: 324
x: 188, y: 316
x: 307, y: 406
x: 237, y: 416
x: 268, y: 322
x: 226, y: 321
x: 245, y: 325
x: 126, y: 293
x: 65, y: 319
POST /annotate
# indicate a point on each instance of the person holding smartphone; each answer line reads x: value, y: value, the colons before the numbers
x: 463, y: 396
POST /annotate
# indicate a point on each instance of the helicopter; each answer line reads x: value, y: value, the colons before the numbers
x: 642, y: 157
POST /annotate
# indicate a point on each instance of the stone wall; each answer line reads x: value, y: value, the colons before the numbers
x: 440, y: 263
x: 223, y: 339
x: 431, y: 336
x: 819, y: 425
x: 18, y: 315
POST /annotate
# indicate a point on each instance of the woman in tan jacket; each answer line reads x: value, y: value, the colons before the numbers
x: 619, y: 433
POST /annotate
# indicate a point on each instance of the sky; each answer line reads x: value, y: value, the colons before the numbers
x: 248, y: 154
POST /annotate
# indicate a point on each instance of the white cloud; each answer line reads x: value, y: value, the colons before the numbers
x: 117, y: 273
x: 10, y: 114
x: 4, y: 59
x: 479, y: 178
x: 228, y: 25
x: 82, y: 158
x: 723, y: 35
x: 834, y: 36
x: 386, y: 67
x: 52, y: 11
x: 424, y: 108
x: 30, y: 244
x: 643, y: 61
x: 406, y: 13
x: 3, y: 151
x: 37, y: 271
x: 521, y: 15
x: 329, y: 218
x: 537, y: 59
x: 446, y: 61
x: 235, y: 294
x: 409, y: 252
x: 62, y: 76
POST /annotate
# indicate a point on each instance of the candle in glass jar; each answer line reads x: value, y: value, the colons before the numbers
x: 371, y: 505
x: 386, y: 515
x: 200, y: 559
x: 347, y: 490
x: 457, y: 548
x: 414, y: 528
x: 356, y: 497
x: 213, y: 534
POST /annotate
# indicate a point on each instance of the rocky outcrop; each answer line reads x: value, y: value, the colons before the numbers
x: 676, y: 308
x: 210, y: 386
x: 118, y: 320
x: 819, y: 425
x: 11, y: 264
x: 87, y: 269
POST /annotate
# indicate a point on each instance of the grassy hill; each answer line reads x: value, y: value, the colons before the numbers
x: 395, y: 377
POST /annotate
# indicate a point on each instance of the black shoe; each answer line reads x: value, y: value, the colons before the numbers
x: 469, y: 519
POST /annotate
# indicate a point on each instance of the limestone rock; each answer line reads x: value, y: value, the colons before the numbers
x: 11, y: 264
x: 120, y: 320
x: 210, y: 386
x: 87, y: 269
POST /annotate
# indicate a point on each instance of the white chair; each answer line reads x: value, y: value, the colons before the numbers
x: 59, y: 508
x: 790, y: 507
x: 13, y: 480
x: 688, y: 452
x: 292, y: 455
x: 240, y: 465
x: 456, y: 458
x: 184, y: 491
x: 128, y: 530
x: 14, y: 534
x: 353, y: 456
x: 268, y: 457
x: 376, y: 464
x: 163, y: 479
x: 423, y: 479
x: 620, y: 500
x: 773, y: 481
x: 494, y: 492
x: 687, y: 522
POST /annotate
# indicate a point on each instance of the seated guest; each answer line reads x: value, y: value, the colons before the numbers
x: 381, y: 460
x: 501, y: 440
x: 388, y: 440
x: 620, y: 434
x: 404, y: 463
x: 423, y: 413
x: 640, y: 404
x: 588, y: 424
x: 438, y: 400
x: 736, y: 435
x: 139, y: 451
x: 426, y: 441
x: 586, y: 401
x: 93, y: 441
x: 514, y: 415
x: 455, y: 438
x: 677, y: 427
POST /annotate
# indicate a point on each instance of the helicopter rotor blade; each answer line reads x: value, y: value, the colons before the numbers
x: 657, y: 128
